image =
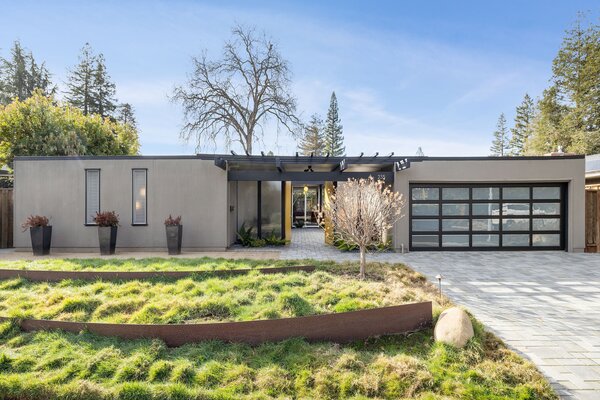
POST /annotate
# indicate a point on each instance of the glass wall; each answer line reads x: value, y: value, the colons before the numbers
x: 247, y: 202
x: 270, y: 211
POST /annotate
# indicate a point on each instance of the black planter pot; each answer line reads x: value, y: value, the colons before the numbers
x: 41, y: 236
x: 174, y: 235
x: 107, y: 236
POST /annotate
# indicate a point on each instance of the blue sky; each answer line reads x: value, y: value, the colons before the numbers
x: 407, y: 74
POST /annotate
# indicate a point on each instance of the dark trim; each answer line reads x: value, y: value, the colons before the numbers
x: 85, y: 223
x: 562, y: 232
x: 254, y: 175
x: 283, y: 210
x: 145, y: 197
x: 219, y: 162
x: 259, y: 210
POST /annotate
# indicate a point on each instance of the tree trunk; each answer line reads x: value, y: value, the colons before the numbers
x: 363, y: 261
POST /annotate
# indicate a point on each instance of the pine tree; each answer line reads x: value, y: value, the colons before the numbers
x: 103, y: 90
x: 126, y: 115
x: 523, y: 127
x: 81, y: 81
x: 21, y: 75
x: 334, y: 139
x: 500, y: 144
x: 312, y: 141
x: 89, y: 86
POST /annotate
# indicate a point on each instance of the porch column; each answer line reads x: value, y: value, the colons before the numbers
x: 327, y: 192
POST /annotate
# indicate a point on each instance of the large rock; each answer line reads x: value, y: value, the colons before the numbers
x: 453, y: 327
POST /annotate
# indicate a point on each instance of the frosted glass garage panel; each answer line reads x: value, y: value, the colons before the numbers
x: 270, y: 211
x: 247, y: 200
x: 425, y: 225
x: 515, y: 193
x: 545, y: 240
x: 425, y: 210
x: 455, y: 240
x: 455, y: 193
x: 425, y: 240
x: 486, y: 193
x: 486, y: 209
x: 486, y: 240
x: 550, y: 193
x: 425, y: 193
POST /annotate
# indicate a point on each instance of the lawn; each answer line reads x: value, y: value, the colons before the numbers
x: 202, y: 298
x: 147, y: 264
x: 62, y: 365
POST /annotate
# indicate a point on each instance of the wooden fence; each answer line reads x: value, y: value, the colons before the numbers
x: 6, y: 218
x: 592, y: 220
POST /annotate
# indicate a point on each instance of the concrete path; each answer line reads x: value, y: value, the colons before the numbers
x: 545, y: 305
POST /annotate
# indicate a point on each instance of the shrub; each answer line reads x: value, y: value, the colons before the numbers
x: 107, y: 218
x: 34, y: 221
x: 173, y: 221
x: 273, y: 240
x: 184, y: 372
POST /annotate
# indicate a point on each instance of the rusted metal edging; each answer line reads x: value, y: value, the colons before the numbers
x: 55, y: 276
x: 340, y: 327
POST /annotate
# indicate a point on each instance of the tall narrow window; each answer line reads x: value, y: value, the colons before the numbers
x: 139, y: 212
x: 92, y: 195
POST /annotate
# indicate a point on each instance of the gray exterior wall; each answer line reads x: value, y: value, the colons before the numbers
x: 556, y: 169
x: 192, y: 188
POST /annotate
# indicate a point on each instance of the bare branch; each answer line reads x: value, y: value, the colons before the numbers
x: 233, y: 97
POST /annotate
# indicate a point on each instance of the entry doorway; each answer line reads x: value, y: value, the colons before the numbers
x: 307, y: 205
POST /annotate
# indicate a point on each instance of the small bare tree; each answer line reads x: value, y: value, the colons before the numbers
x: 362, y: 212
x: 233, y: 97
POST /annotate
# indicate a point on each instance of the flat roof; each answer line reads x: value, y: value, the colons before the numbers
x: 366, y: 159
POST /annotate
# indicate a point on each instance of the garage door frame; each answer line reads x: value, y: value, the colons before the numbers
x: 500, y: 217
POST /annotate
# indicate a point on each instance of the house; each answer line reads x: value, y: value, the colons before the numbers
x: 452, y: 203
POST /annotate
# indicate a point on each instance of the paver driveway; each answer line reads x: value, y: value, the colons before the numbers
x: 546, y: 305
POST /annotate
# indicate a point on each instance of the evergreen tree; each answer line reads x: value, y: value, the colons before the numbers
x: 126, y: 115
x: 81, y: 81
x: 103, y: 90
x: 569, y: 112
x: 89, y: 86
x: 523, y: 126
x: 334, y: 139
x: 312, y: 141
x: 20, y: 76
x: 500, y: 144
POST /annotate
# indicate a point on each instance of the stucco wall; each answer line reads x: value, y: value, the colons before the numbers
x: 571, y: 171
x: 194, y: 189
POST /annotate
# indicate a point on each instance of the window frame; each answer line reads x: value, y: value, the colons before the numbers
x: 85, y: 189
x: 500, y: 216
x: 133, y: 223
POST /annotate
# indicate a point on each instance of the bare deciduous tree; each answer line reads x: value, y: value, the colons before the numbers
x: 235, y: 96
x: 362, y: 212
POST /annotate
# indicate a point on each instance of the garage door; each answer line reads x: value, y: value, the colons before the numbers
x: 487, y: 216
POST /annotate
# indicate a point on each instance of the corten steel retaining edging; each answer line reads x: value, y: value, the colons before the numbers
x: 55, y: 276
x: 341, y: 327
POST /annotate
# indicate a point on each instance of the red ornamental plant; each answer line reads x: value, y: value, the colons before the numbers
x: 34, y: 221
x: 107, y: 218
x: 173, y: 221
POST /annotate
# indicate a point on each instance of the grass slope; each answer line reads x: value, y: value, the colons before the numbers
x: 149, y: 264
x: 201, y: 298
x: 44, y: 365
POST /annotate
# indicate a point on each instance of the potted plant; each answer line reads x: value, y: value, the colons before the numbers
x: 174, y: 234
x: 41, y: 234
x: 298, y: 223
x: 108, y: 222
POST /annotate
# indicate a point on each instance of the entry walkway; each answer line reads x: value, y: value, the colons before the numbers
x: 545, y: 305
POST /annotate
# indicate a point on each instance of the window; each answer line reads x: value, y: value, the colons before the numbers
x: 139, y: 207
x: 92, y: 195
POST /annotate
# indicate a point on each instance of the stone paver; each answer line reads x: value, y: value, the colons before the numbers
x: 545, y: 305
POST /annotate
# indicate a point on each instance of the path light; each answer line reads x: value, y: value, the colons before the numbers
x: 439, y: 278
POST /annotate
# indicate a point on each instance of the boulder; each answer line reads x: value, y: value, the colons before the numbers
x: 453, y: 327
